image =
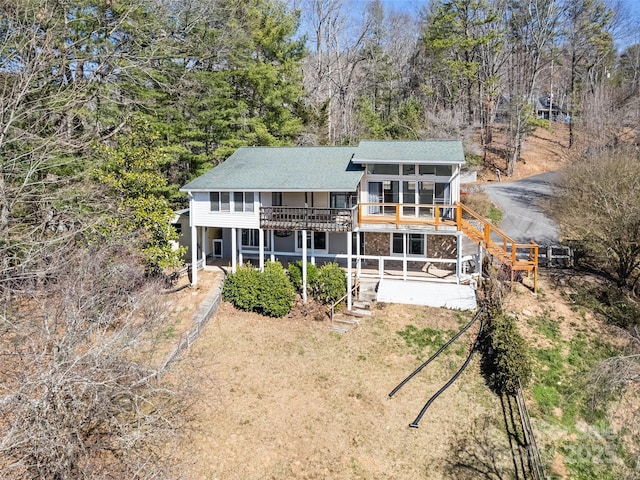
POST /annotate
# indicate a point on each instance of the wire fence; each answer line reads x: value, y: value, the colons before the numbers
x: 533, y: 453
x: 201, y: 317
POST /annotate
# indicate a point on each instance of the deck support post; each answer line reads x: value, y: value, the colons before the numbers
x: 194, y: 254
x: 272, y: 240
x: 358, y: 257
x: 349, y: 268
x: 479, y: 261
x: 304, y: 266
x: 261, y: 249
x: 405, y: 241
x: 203, y: 242
x: 234, y: 251
x: 458, y: 257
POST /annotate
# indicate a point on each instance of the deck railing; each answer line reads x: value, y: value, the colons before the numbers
x: 312, y: 218
x: 517, y: 256
x: 399, y: 214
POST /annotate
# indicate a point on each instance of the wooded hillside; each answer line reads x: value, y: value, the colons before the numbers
x: 108, y: 107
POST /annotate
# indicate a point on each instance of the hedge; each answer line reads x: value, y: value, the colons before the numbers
x: 269, y: 293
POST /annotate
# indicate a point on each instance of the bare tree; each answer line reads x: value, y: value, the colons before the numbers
x: 79, y: 397
x: 332, y: 71
x: 599, y: 207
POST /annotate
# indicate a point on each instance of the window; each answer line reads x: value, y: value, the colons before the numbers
x: 382, y: 169
x: 427, y: 169
x: 396, y: 244
x: 443, y: 170
x: 342, y: 199
x: 251, y: 238
x: 408, y: 169
x: 276, y: 199
x: 219, y: 201
x: 315, y: 240
x: 415, y: 243
x: 243, y: 201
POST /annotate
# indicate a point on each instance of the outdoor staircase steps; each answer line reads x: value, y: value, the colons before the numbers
x: 345, y: 320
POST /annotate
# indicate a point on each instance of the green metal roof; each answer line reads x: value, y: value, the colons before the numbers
x: 283, y: 169
x: 331, y: 169
x: 436, y: 152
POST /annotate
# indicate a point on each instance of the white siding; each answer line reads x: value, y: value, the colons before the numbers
x: 202, y: 215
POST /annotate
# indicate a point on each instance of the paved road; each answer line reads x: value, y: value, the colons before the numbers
x: 523, y: 219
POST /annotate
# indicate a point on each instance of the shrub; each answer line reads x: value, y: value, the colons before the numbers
x: 241, y: 288
x: 295, y: 275
x: 331, y: 284
x: 509, y: 359
x: 276, y: 294
x: 269, y: 293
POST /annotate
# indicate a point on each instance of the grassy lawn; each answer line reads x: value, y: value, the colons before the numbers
x: 286, y: 398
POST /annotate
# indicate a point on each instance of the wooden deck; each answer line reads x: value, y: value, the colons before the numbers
x: 517, y: 257
x: 313, y: 219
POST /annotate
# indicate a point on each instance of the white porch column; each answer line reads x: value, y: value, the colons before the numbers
x: 203, y: 242
x: 358, y: 257
x: 405, y: 241
x: 194, y: 251
x: 304, y: 265
x: 261, y: 249
x: 234, y: 251
x: 239, y: 241
x: 272, y: 242
x: 458, y: 256
x: 349, y: 277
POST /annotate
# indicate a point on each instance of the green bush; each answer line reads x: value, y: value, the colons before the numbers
x: 241, y: 288
x: 509, y: 357
x: 269, y: 293
x: 295, y: 275
x: 331, y: 284
x: 276, y: 294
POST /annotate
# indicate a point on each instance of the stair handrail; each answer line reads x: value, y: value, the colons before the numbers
x: 507, y: 241
x: 331, y: 309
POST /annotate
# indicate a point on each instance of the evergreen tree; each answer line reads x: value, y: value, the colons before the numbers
x: 132, y: 173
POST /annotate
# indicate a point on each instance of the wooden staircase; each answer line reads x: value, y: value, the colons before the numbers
x: 516, y: 256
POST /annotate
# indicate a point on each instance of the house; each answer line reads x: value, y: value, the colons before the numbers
x: 381, y: 209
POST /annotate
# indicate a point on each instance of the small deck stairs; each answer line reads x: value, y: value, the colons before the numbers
x: 345, y: 320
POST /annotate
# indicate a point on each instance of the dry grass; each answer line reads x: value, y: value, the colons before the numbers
x: 286, y: 398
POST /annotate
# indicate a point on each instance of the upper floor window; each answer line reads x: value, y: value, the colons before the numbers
x: 437, y: 170
x: 382, y: 169
x: 342, y: 199
x: 408, y: 169
x: 276, y: 199
x: 243, y: 201
x: 219, y: 201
